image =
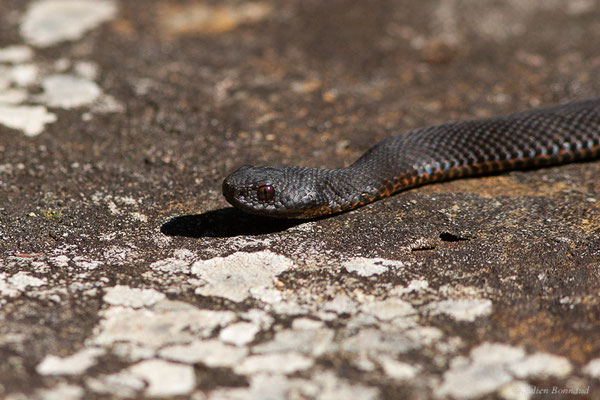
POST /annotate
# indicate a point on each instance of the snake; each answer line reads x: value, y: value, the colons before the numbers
x: 529, y: 139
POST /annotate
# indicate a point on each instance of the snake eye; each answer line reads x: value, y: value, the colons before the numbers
x: 265, y: 192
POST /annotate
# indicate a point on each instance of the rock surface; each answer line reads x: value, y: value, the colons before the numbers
x: 125, y: 274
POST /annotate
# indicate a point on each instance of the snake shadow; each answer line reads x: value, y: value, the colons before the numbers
x: 225, y: 222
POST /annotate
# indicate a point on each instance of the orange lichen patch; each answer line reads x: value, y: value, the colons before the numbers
x: 179, y: 207
x: 123, y: 26
x: 495, y: 186
x: 306, y: 86
x: 199, y: 18
x: 539, y: 332
x: 27, y: 255
x: 590, y: 225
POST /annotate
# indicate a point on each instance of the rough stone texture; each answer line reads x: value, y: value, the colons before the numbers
x: 124, y: 273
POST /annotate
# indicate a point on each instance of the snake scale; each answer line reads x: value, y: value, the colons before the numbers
x: 530, y: 139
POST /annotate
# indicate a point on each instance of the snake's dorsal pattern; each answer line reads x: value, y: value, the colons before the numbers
x: 535, y: 138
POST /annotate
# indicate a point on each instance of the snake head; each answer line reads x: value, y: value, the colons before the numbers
x: 288, y: 192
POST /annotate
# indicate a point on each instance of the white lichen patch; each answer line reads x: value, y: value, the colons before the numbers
x: 104, y: 104
x: 289, y: 307
x: 22, y: 281
x: 424, y: 335
x: 61, y: 261
x: 121, y: 384
x: 180, y: 263
x: 315, y: 342
x: 127, y: 200
x: 361, y: 320
x: 15, y: 54
x: 281, y: 363
x: 24, y: 75
x: 331, y: 388
x: 132, y: 351
x: 371, y: 266
x: 307, y: 324
x: 462, y: 309
x: 471, y: 381
x: 87, y: 69
x: 29, y: 119
x: 325, y: 385
x: 269, y: 386
x: 592, y: 368
x: 68, y: 91
x: 376, y: 341
x: 268, y: 295
x: 364, y: 363
x: 18, y: 76
x: 120, y: 255
x: 414, y: 286
x: 75, y: 364
x: 460, y: 291
x: 168, y: 322
x: 48, y: 22
x: 516, y: 390
x: 8, y: 169
x: 262, y: 386
x: 494, y: 366
x: 397, y: 369
x: 239, y: 334
x: 237, y: 243
x: 18, y: 283
x: 388, y: 309
x: 497, y: 353
x: 62, y: 391
x: 212, y: 353
x: 164, y: 378
x: 235, y: 276
x: 258, y: 317
x: 85, y: 263
x: 12, y: 96
x: 139, y: 216
x: 5, y: 80
x: 542, y: 365
x: 206, y: 18
x: 341, y: 304
x: 126, y: 296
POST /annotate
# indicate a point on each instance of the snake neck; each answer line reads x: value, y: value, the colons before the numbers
x: 358, y: 184
x: 392, y: 165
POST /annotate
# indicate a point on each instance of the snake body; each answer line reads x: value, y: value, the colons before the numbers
x: 530, y: 139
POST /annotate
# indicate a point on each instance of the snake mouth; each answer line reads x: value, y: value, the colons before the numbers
x: 231, y: 194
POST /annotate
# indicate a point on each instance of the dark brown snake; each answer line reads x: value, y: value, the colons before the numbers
x: 530, y: 139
